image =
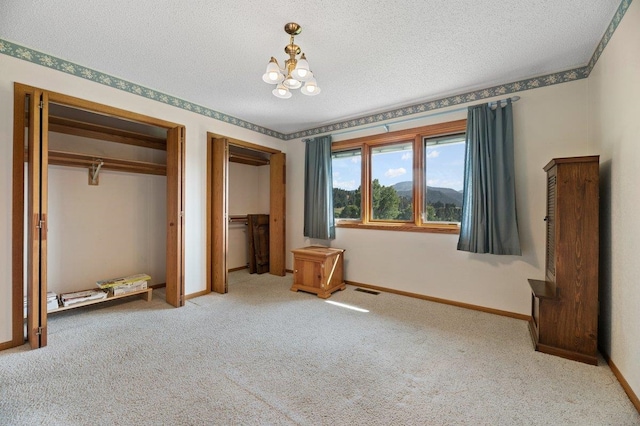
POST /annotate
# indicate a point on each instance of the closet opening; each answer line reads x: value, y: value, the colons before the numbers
x: 97, y: 194
x: 246, y: 184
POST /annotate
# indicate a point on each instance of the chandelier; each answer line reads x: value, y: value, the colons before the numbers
x: 295, y: 71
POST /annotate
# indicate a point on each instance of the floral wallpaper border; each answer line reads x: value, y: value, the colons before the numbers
x: 504, y: 89
x: 617, y: 18
x: 27, y: 54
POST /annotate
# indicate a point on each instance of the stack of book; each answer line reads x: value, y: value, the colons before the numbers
x: 52, y: 302
x: 124, y: 285
x: 73, y: 298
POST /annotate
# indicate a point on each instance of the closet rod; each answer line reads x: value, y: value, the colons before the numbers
x: 60, y: 158
x: 492, y: 104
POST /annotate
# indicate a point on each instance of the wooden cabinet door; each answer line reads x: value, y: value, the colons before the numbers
x: 550, y: 219
x: 308, y: 273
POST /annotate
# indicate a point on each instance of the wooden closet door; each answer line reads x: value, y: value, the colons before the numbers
x: 277, y: 214
x: 37, y: 146
x: 219, y: 214
x: 175, y: 216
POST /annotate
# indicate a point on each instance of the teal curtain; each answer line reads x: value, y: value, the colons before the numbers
x: 318, y: 189
x: 489, y: 223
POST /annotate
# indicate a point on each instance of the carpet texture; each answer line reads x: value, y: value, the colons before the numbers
x: 262, y: 354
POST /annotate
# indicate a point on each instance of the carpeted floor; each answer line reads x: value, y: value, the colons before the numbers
x: 262, y: 354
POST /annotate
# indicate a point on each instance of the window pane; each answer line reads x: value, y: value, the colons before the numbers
x: 444, y: 177
x: 392, y: 182
x: 347, y: 167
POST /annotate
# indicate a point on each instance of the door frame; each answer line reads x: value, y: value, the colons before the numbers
x: 217, y: 218
x: 175, y: 197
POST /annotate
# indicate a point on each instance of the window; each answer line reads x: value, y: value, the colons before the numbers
x: 392, y: 182
x: 444, y: 175
x: 347, y: 175
x: 410, y: 180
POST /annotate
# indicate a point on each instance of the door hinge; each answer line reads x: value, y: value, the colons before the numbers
x: 181, y: 214
x: 41, y: 105
x: 40, y: 224
x: 39, y: 331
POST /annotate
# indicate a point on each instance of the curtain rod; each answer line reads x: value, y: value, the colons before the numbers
x: 386, y: 125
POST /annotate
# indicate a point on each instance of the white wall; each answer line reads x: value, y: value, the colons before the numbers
x: 98, y: 232
x: 247, y: 189
x: 113, y: 229
x: 614, y: 100
x: 549, y: 122
x: 197, y: 126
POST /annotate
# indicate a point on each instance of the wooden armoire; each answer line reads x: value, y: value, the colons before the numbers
x: 565, y: 304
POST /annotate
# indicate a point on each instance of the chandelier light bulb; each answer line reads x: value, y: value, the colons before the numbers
x: 272, y: 74
x: 291, y: 83
x: 272, y: 66
x: 281, y: 92
x: 272, y: 77
x: 310, y: 88
x: 301, y: 72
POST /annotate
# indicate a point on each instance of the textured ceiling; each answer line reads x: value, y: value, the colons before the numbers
x: 368, y: 56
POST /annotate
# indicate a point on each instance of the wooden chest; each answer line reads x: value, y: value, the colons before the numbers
x: 318, y: 270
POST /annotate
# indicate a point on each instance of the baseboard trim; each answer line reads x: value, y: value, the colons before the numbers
x: 161, y: 285
x: 8, y: 345
x: 239, y: 268
x: 443, y: 301
x: 198, y: 294
x: 623, y: 382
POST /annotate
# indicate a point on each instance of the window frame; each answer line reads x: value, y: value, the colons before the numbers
x: 417, y: 135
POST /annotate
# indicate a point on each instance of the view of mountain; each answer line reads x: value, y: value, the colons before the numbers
x: 434, y: 194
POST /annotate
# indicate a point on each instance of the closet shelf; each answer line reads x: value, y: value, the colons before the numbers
x: 247, y: 159
x: 145, y: 294
x: 95, y: 131
x: 61, y: 158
